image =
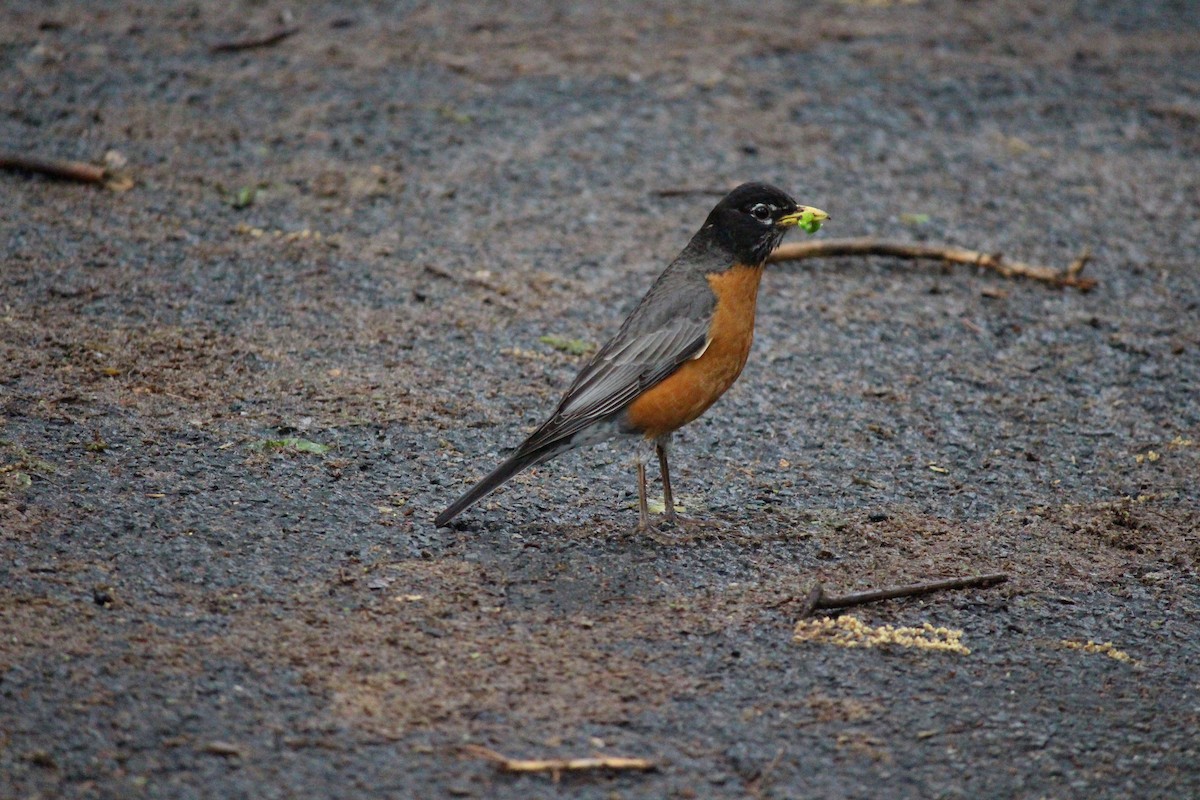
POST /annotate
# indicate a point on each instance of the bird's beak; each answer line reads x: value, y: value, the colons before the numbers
x: 816, y: 215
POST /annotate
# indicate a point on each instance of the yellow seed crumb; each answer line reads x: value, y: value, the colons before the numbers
x: 849, y: 631
x: 1104, y: 648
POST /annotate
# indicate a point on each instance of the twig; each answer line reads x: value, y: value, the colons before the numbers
x: 817, y: 599
x: 758, y: 784
x: 557, y: 766
x: 437, y: 271
x: 971, y: 326
x: 1079, y: 263
x: 869, y: 246
x: 687, y: 192
x: 227, y: 749
x: 79, y: 171
x: 250, y: 43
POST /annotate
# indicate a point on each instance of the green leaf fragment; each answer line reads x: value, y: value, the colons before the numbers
x: 658, y: 506
x: 575, y: 347
x: 305, y: 446
x: 292, y: 443
x: 454, y: 115
x: 243, y: 197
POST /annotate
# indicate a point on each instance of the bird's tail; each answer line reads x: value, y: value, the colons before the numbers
x: 520, y: 460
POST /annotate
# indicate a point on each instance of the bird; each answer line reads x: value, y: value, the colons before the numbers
x: 682, y: 347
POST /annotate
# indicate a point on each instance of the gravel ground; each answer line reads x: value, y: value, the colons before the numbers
x: 357, y: 236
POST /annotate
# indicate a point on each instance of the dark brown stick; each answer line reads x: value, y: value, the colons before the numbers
x: 682, y: 191
x: 869, y: 246
x: 817, y: 599
x: 253, y: 42
x: 64, y: 170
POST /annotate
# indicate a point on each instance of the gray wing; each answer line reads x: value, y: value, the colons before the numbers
x: 632, y: 364
x: 669, y: 327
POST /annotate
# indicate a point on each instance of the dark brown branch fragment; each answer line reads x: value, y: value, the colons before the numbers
x: 79, y: 171
x: 253, y: 42
x: 870, y: 246
x: 684, y: 191
x: 816, y: 598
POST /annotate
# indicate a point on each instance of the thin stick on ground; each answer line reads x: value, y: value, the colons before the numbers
x: 686, y: 191
x: 869, y: 246
x: 557, y: 766
x: 1079, y: 263
x: 816, y: 599
x: 79, y: 171
x: 250, y: 43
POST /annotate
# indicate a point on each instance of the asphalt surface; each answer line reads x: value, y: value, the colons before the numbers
x: 233, y: 396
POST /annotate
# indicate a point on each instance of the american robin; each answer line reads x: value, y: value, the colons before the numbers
x: 680, y: 349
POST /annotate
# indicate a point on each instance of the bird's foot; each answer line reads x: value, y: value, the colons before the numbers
x: 677, y: 522
x: 656, y: 534
x: 670, y: 528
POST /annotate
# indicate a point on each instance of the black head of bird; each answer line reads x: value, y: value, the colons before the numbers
x: 752, y: 219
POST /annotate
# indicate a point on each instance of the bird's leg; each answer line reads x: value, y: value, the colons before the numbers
x: 643, y: 510
x: 644, y: 527
x: 661, y: 446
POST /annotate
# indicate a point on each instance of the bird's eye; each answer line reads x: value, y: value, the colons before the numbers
x: 761, y: 212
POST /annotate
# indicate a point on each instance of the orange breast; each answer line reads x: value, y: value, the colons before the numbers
x: 688, y: 391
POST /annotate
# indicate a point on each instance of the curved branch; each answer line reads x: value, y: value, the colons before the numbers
x: 64, y: 170
x: 110, y: 177
x: 869, y: 246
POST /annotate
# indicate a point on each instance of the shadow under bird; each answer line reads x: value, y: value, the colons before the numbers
x: 681, y: 348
